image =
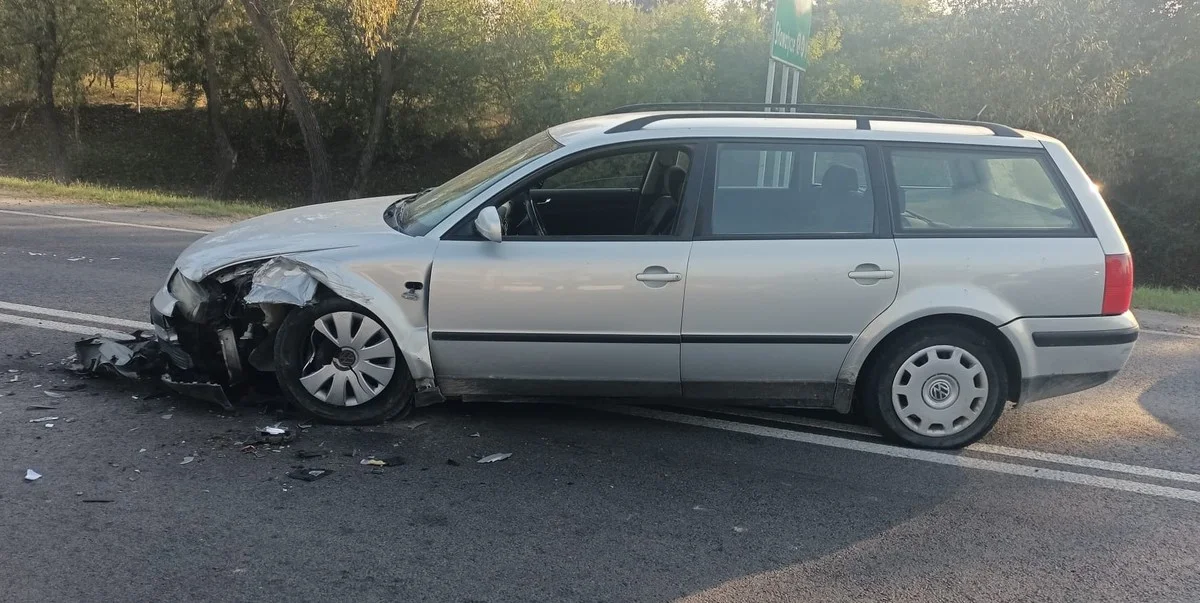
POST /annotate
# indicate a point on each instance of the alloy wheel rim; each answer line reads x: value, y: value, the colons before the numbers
x: 940, y: 391
x: 350, y: 359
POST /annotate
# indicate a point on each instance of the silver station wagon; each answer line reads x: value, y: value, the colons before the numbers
x: 925, y: 272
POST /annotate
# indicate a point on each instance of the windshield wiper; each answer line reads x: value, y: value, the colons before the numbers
x: 401, y: 208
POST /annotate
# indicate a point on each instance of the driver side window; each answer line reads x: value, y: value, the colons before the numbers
x: 620, y: 171
x: 632, y: 193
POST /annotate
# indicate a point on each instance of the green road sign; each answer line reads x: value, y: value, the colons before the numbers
x: 789, y: 38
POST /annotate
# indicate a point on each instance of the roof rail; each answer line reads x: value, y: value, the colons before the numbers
x: 793, y: 107
x: 862, y: 122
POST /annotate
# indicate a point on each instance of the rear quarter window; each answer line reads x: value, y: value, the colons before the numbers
x: 979, y: 190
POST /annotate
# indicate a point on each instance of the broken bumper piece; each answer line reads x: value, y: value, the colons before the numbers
x: 147, y: 357
x: 209, y: 392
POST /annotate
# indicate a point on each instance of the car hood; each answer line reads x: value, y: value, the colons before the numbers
x: 311, y: 228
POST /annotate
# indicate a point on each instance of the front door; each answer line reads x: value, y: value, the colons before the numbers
x: 790, y: 264
x: 573, y: 302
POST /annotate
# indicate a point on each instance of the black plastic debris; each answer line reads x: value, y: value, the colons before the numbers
x: 275, y: 434
x: 199, y: 390
x: 309, y: 475
x: 452, y: 462
x: 74, y: 387
x: 309, y: 454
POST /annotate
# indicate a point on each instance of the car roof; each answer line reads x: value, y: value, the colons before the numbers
x: 651, y: 125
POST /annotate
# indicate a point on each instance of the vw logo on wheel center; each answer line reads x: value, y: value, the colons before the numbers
x: 939, y: 390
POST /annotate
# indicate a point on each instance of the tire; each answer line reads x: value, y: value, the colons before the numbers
x: 938, y: 387
x: 352, y: 383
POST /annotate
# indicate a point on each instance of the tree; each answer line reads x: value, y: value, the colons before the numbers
x: 44, y: 31
x: 376, y: 20
x: 310, y: 129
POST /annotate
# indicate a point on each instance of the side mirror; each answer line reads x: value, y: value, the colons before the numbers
x: 487, y: 223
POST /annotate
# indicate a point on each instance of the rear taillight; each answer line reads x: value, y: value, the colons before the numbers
x: 1118, y: 284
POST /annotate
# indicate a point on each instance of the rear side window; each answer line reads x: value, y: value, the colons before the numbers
x: 978, y: 190
x: 774, y: 189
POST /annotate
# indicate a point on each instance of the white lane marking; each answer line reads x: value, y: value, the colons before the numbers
x: 928, y: 456
x: 104, y: 320
x: 65, y: 327
x: 1171, y: 334
x: 106, y: 222
x: 1036, y: 455
x: 1063, y: 459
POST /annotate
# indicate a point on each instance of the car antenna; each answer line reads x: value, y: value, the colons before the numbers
x: 980, y: 114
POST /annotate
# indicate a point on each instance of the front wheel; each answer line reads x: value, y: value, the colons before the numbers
x: 943, y: 387
x: 341, y: 365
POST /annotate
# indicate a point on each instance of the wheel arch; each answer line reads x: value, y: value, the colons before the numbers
x: 851, y: 379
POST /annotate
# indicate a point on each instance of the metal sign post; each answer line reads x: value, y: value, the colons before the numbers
x: 790, y: 33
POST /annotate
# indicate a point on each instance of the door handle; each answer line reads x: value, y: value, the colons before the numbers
x: 871, y: 275
x: 659, y: 277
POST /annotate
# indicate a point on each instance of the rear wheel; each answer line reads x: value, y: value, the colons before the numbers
x: 943, y: 387
x: 341, y: 365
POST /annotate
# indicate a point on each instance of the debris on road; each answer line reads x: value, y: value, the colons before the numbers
x: 40, y: 407
x: 187, y: 459
x: 309, y: 454
x: 416, y: 424
x: 474, y: 435
x: 452, y: 462
x: 28, y: 354
x: 739, y: 529
x: 131, y: 359
x: 309, y: 475
x: 15, y: 378
x: 43, y: 419
x: 74, y: 387
x: 391, y: 461
x: 275, y: 434
x: 166, y: 417
x: 97, y: 500
x: 53, y: 394
x: 492, y: 458
x: 31, y: 475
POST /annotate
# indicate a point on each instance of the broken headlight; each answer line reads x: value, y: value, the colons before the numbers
x: 192, y: 298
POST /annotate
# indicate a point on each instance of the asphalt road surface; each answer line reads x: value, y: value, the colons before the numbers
x: 1091, y: 497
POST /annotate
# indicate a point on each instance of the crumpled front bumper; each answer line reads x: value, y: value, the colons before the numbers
x: 162, y: 309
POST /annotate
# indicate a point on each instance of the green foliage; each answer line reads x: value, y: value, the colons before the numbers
x: 1118, y: 80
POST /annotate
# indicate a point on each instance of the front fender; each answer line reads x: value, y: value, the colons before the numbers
x: 379, y: 286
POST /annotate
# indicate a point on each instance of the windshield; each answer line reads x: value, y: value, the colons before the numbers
x: 418, y: 215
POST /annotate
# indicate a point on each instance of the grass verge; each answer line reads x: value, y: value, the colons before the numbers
x: 197, y: 206
x: 1178, y: 301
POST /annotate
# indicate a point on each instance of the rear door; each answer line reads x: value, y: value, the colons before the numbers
x: 792, y: 259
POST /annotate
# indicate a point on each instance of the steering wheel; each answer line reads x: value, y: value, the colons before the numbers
x: 535, y: 219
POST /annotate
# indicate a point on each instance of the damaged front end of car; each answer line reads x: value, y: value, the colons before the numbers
x: 217, y: 334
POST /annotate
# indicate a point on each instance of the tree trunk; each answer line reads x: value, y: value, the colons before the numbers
x: 47, y: 52
x: 388, y: 74
x: 310, y: 129
x: 224, y: 157
x: 137, y: 48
